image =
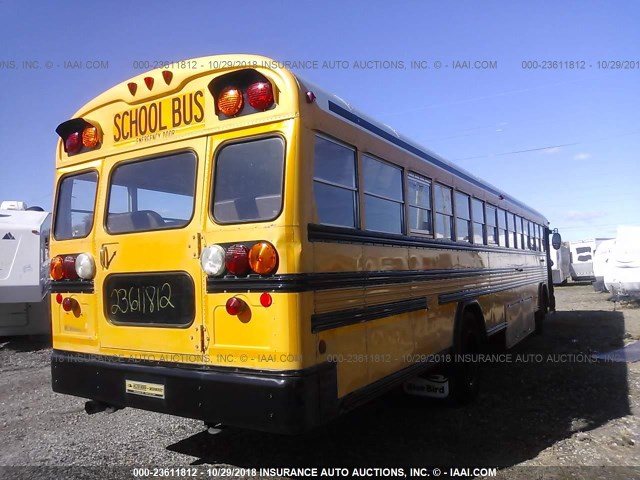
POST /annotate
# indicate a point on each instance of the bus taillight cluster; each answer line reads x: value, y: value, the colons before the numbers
x: 72, y: 267
x: 77, y: 134
x: 238, y: 260
x: 230, y: 101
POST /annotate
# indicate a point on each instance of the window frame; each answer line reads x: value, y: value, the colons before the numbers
x: 483, y: 224
x: 494, y: 227
x: 214, y: 176
x: 503, y: 232
x: 366, y: 193
x: 425, y: 181
x: 452, y: 223
x: 54, y: 220
x: 468, y: 220
x: 356, y: 173
x: 129, y: 161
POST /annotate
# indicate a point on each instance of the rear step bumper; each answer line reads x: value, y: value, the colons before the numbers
x: 279, y: 402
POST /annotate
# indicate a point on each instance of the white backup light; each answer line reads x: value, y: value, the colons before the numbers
x: 85, y: 266
x: 212, y: 260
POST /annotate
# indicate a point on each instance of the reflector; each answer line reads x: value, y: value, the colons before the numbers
x: 266, y: 300
x: 133, y: 88
x: 168, y: 76
x: 148, y: 81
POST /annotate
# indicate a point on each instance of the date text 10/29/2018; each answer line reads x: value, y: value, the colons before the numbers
x: 308, y: 472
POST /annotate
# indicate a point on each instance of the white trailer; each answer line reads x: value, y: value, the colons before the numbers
x: 601, y: 262
x: 622, y: 274
x: 561, y: 266
x: 582, y: 258
x: 24, y: 272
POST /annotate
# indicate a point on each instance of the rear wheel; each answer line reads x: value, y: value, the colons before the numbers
x: 464, y: 371
x: 542, y: 312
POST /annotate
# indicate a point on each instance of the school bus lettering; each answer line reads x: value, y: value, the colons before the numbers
x: 182, y: 109
x: 175, y: 113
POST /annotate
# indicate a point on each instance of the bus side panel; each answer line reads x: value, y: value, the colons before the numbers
x: 347, y: 347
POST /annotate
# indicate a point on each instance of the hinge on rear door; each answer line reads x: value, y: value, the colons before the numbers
x: 197, y: 241
x: 204, y: 339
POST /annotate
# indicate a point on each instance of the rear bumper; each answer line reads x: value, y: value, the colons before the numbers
x: 279, y: 402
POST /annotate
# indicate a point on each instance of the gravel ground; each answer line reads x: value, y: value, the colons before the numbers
x: 548, y: 412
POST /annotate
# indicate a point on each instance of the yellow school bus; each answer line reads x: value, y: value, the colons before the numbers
x: 233, y: 244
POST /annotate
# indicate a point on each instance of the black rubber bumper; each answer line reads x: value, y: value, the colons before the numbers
x: 280, y: 402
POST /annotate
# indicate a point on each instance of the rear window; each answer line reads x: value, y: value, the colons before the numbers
x: 152, y: 194
x: 248, y: 181
x: 75, y: 206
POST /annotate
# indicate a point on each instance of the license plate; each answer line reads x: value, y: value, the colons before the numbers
x: 155, y: 390
x: 163, y: 298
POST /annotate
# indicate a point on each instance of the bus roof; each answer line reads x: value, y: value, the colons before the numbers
x: 330, y: 103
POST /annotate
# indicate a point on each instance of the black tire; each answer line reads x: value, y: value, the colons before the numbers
x: 464, y: 371
x: 541, y: 313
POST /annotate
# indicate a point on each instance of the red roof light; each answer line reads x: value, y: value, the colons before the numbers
x: 260, y: 95
x: 73, y: 143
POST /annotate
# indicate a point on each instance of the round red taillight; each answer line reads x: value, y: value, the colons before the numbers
x: 69, y: 268
x: 73, y: 143
x: 260, y: 95
x: 235, y: 306
x: 67, y: 304
x: 237, y: 259
x: 59, y: 298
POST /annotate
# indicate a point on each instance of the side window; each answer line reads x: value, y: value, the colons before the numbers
x: 511, y: 227
x: 477, y: 209
x: 463, y: 218
x: 334, y: 183
x: 527, y: 235
x: 492, y: 227
x: 419, y: 204
x: 383, y: 202
x: 75, y: 206
x: 543, y: 246
x: 153, y: 194
x: 444, y: 212
x: 502, y: 228
x: 520, y: 236
x: 248, y: 181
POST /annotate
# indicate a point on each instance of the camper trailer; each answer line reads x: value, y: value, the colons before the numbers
x: 581, y: 252
x: 622, y: 273
x: 561, y: 265
x: 24, y: 274
x: 601, y: 263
